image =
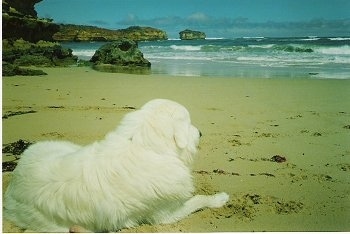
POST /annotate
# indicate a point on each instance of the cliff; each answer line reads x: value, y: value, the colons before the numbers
x: 191, y: 35
x: 26, y: 40
x: 69, y: 32
x: 19, y: 21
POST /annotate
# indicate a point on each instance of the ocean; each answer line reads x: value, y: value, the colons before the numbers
x: 303, y: 57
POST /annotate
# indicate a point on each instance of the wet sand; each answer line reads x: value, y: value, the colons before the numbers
x: 245, y: 122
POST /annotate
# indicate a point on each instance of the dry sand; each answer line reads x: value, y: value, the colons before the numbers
x: 244, y: 123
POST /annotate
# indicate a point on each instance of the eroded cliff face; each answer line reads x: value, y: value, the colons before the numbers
x: 26, y: 40
x: 69, y: 32
x: 19, y: 20
x: 191, y: 35
x: 22, y: 7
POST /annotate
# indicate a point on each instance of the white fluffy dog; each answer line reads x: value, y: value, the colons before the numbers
x: 139, y: 173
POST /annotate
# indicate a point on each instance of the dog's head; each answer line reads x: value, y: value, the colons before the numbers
x: 163, y: 126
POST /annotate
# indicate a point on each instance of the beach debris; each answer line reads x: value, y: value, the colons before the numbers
x: 254, y: 198
x: 8, y: 166
x: 55, y: 107
x: 347, y: 126
x: 240, y: 209
x: 344, y: 166
x: 217, y: 171
x: 323, y: 178
x: 264, y: 173
x: 248, y: 206
x: 14, y: 113
x: 268, y: 134
x: 16, y: 148
x: 317, y: 134
x: 202, y: 172
x: 129, y: 107
x: 235, y: 142
x: 282, y: 207
x: 222, y: 172
x: 278, y: 159
x: 295, y: 117
x: 267, y: 174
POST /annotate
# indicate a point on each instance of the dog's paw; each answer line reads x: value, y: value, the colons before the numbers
x: 219, y: 200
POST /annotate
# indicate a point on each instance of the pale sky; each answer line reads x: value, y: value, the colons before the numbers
x: 217, y: 18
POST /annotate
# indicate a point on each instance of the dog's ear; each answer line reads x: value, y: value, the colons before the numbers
x: 181, y: 131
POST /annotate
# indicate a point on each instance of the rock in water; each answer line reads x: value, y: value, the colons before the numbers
x: 191, y: 35
x: 123, y: 53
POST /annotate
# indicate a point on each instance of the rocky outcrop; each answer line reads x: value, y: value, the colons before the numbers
x: 19, y: 21
x: 20, y: 7
x: 13, y: 70
x: 191, y: 35
x: 69, y: 32
x: 41, y: 54
x: 26, y: 40
x: 119, y: 54
x: 29, y: 29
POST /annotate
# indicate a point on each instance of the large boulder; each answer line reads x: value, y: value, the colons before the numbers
x: 71, y: 32
x: 191, y: 35
x: 123, y: 53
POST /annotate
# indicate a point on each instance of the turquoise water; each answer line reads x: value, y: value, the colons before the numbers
x: 309, y: 57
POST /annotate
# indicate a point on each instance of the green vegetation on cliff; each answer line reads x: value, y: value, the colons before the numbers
x: 188, y: 34
x: 70, y: 32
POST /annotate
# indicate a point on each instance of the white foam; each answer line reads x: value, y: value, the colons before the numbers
x: 342, y: 50
x: 253, y: 37
x: 339, y: 38
x: 177, y: 57
x: 268, y: 46
x: 332, y: 75
x: 186, y: 47
x: 84, y: 53
x: 214, y: 38
x: 310, y: 39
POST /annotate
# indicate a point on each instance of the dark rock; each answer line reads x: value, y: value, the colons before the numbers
x: 13, y: 70
x: 19, y: 20
x: 43, y: 53
x: 123, y: 53
x: 16, y: 148
x: 70, y: 32
x: 278, y: 159
x: 191, y: 35
x: 29, y: 29
x: 20, y: 7
x: 8, y: 166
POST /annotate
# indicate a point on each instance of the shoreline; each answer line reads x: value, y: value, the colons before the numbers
x: 244, y: 123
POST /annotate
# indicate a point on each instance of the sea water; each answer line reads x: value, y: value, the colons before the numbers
x: 306, y: 57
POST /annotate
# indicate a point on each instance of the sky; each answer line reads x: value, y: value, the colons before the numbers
x: 217, y: 18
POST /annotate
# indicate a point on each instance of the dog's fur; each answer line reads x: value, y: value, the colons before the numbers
x: 139, y: 173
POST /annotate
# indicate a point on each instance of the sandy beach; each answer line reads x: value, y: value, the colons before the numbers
x: 245, y: 122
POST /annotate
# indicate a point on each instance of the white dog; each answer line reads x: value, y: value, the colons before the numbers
x: 140, y: 173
